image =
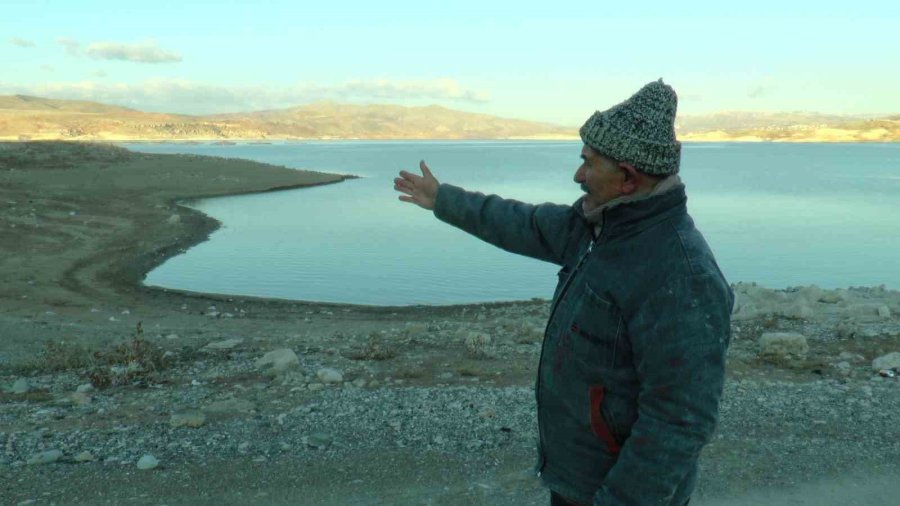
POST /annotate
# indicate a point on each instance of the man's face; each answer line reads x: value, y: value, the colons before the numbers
x: 599, y: 177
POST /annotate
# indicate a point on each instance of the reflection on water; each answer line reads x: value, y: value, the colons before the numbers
x: 777, y: 214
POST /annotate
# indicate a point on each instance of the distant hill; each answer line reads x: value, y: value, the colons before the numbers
x: 26, y: 117
x: 787, y: 127
x: 23, y: 117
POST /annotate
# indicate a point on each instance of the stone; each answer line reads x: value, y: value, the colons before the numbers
x: 851, y: 357
x: 889, y: 361
x: 783, y: 344
x: 315, y: 386
x: 172, y: 336
x: 319, y: 440
x: 359, y: 382
x: 189, y: 418
x: 147, y: 462
x: 329, y: 375
x: 279, y: 360
x: 843, y: 368
x: 84, y: 457
x: 80, y: 398
x: 798, y: 311
x: 833, y: 297
x: 884, y: 311
x: 85, y: 388
x: 174, y: 219
x: 230, y: 406
x: 223, y: 345
x: 21, y: 386
x: 46, y: 457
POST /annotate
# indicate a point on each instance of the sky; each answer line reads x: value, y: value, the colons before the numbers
x: 545, y: 61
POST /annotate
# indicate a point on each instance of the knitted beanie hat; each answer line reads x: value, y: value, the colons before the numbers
x: 640, y: 130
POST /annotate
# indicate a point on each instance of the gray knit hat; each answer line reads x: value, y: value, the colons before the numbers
x: 640, y: 130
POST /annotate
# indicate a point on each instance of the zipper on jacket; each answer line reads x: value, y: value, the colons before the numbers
x: 562, y: 293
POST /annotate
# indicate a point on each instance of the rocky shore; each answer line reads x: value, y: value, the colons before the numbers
x: 111, y: 393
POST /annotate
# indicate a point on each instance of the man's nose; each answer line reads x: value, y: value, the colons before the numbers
x: 579, y: 175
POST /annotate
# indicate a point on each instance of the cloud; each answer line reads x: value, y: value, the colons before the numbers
x: 98, y: 73
x: 16, y: 41
x: 48, y: 68
x: 144, y: 52
x: 188, y: 97
x: 73, y: 47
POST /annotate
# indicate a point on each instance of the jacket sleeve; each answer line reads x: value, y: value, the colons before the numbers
x: 679, y: 336
x: 537, y: 231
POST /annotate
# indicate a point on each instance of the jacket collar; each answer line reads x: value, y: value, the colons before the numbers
x: 632, y: 214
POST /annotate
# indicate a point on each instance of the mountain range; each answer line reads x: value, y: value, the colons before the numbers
x: 25, y: 117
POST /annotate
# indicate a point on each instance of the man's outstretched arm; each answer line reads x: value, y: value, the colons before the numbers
x: 538, y: 231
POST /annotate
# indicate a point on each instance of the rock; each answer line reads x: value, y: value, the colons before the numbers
x: 46, y: 457
x: 223, y: 345
x: 315, y: 386
x: 359, y: 383
x: 172, y: 336
x: 846, y: 330
x: 843, y: 368
x: 21, y: 386
x: 884, y: 311
x: 328, y: 375
x: 80, y: 398
x: 279, y: 360
x: 84, y: 457
x: 190, y: 418
x: 230, y: 406
x: 862, y: 310
x: 174, y: 219
x: 833, y: 297
x: 147, y: 462
x: 783, y: 344
x: 797, y: 310
x: 319, y: 440
x: 851, y: 357
x: 85, y: 388
x: 889, y: 361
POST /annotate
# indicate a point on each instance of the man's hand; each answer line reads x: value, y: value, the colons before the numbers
x: 419, y: 190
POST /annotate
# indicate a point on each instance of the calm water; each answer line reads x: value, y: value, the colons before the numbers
x: 777, y: 214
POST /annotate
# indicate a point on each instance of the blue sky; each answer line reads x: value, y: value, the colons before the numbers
x: 548, y: 61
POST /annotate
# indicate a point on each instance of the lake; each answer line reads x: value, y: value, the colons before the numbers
x: 777, y: 214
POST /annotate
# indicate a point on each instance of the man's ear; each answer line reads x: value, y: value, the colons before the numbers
x: 632, y: 179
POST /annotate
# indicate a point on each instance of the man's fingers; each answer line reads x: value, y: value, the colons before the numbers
x: 424, y: 168
x: 409, y: 176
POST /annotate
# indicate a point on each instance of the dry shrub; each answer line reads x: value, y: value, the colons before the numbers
x: 375, y: 348
x: 133, y: 359
x: 478, y: 345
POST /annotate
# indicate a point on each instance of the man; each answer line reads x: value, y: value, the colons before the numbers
x: 633, y: 360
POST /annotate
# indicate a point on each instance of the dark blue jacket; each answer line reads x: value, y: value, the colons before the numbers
x: 633, y: 360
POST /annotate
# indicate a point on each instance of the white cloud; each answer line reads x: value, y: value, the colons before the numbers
x: 73, y: 47
x: 188, y: 97
x: 16, y: 41
x: 48, y: 68
x: 143, y: 52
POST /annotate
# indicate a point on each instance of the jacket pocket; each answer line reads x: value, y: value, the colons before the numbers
x: 598, y: 423
x: 596, y: 329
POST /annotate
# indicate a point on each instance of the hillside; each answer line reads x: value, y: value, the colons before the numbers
x: 34, y: 118
x: 787, y: 127
x: 23, y: 118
